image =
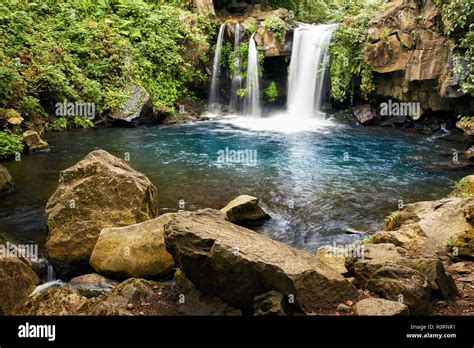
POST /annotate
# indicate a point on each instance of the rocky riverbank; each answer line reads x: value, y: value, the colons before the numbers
x: 120, y: 258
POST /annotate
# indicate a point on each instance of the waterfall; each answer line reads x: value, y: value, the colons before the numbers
x: 252, y: 87
x: 308, y: 69
x: 216, y: 70
x: 49, y: 275
x: 237, y: 78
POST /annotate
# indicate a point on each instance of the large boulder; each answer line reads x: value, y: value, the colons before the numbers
x: 17, y: 281
x: 138, y: 108
x: 52, y: 302
x: 6, y: 181
x: 404, y: 284
x: 34, y: 142
x: 427, y: 228
x: 133, y: 251
x: 98, y: 192
x: 441, y: 283
x: 237, y: 264
x: 380, y: 307
x: 244, y: 209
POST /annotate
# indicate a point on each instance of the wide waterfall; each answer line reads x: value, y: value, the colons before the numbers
x: 235, y: 105
x: 308, y: 69
x: 216, y: 71
x: 252, y: 85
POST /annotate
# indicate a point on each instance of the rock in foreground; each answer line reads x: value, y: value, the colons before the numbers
x: 34, y: 142
x: 133, y: 251
x: 98, y: 192
x: 92, y: 285
x: 52, y: 302
x: 17, y: 281
x: 237, y: 264
x: 380, y: 307
x: 244, y: 209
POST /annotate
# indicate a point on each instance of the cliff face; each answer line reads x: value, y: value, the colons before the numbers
x: 412, y: 58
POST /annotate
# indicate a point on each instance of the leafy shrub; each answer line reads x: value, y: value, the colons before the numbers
x: 458, y: 13
x: 271, y: 92
x: 10, y: 143
x: 276, y: 25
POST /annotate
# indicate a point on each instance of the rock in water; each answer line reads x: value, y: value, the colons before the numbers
x: 34, y: 142
x: 6, y: 181
x: 17, y: 281
x: 380, y: 307
x: 98, y: 192
x: 244, y: 209
x: 92, y: 285
x: 364, y: 113
x: 133, y: 251
x: 237, y: 264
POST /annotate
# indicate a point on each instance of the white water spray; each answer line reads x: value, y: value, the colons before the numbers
x: 216, y: 70
x: 308, y: 69
x: 237, y: 78
x: 252, y: 87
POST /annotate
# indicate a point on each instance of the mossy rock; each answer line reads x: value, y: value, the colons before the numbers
x: 464, y: 245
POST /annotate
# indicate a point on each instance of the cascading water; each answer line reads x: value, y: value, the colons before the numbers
x: 216, y: 71
x: 308, y: 69
x: 237, y: 78
x: 252, y: 86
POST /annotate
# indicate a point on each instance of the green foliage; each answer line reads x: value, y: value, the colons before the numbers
x: 241, y: 92
x: 10, y: 143
x: 276, y: 25
x: 60, y: 123
x: 83, y: 122
x: 271, y: 92
x: 368, y: 239
x: 348, y: 70
x: 90, y: 51
x: 456, y: 13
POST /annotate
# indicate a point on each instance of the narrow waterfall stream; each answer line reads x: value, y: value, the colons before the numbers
x: 252, y: 84
x: 216, y: 71
x: 235, y: 105
x: 308, y: 69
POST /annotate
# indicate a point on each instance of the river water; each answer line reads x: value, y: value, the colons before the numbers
x: 316, y: 182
